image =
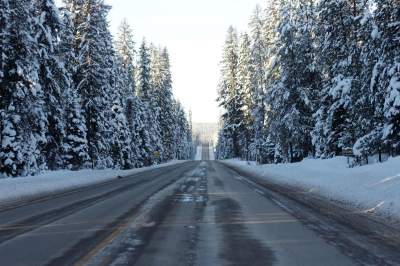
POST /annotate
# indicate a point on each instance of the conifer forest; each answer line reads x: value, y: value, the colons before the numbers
x: 73, y: 97
x: 312, y: 79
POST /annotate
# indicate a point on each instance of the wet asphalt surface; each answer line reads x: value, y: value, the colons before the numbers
x: 195, y: 213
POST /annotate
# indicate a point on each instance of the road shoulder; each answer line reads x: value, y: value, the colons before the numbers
x: 374, y: 232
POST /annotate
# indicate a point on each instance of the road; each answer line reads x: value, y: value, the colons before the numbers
x: 194, y: 213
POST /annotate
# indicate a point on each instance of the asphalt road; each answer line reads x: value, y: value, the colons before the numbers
x: 195, y: 213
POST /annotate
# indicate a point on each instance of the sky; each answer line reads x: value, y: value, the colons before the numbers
x: 194, y: 32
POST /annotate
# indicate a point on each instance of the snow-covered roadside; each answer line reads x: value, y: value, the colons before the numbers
x: 212, y: 154
x: 199, y: 153
x: 15, y: 189
x: 371, y: 189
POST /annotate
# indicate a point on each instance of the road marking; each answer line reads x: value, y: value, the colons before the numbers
x: 239, y: 178
x: 283, y: 206
x: 85, y: 260
x: 259, y: 191
x: 255, y: 188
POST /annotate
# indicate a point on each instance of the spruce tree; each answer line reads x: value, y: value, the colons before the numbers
x: 24, y: 124
x: 125, y: 47
x: 228, y: 95
x: 161, y: 81
x: 93, y: 74
x: 52, y: 77
x: 75, y: 147
x: 144, y: 92
x: 388, y: 20
x: 337, y: 54
x: 259, y: 59
x: 291, y: 109
x: 370, y: 98
x: 245, y: 89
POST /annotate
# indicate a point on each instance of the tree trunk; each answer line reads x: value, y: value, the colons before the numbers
x: 380, y: 155
x: 291, y: 152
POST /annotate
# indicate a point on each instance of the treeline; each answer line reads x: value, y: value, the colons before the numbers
x: 312, y: 78
x: 72, y: 98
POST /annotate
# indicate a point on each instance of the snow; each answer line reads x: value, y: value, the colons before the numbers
x: 199, y: 152
x: 51, y: 182
x: 373, y: 189
x: 342, y: 87
x: 375, y: 34
x: 212, y: 154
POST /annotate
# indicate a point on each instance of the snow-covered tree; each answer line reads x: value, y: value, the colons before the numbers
x: 388, y: 21
x: 245, y: 78
x: 291, y: 96
x: 68, y: 97
x: 23, y: 122
x: 163, y: 97
x: 229, y: 96
x: 75, y: 143
x: 5, y: 22
x: 144, y: 92
x: 259, y: 59
x: 182, y: 134
x: 334, y: 128
x: 125, y: 47
x: 121, y: 149
x: 93, y: 75
x: 52, y: 77
x: 370, y: 98
x: 139, y: 137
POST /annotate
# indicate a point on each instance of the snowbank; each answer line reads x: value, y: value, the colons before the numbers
x: 212, y: 154
x: 199, y: 153
x: 372, y: 189
x: 14, y: 189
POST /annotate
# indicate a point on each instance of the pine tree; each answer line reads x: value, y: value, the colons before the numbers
x: 143, y: 74
x: 182, y: 134
x: 259, y: 59
x: 291, y: 109
x: 52, y: 77
x: 125, y: 47
x: 271, y: 151
x: 133, y: 106
x: 163, y: 100
x: 229, y: 98
x: 23, y: 123
x: 75, y: 144
x: 144, y: 92
x: 245, y: 90
x: 93, y: 74
x: 136, y: 126
x: 5, y: 45
x: 121, y: 140
x: 5, y: 14
x: 371, y: 97
x: 334, y: 114
x: 388, y: 20
x: 75, y: 147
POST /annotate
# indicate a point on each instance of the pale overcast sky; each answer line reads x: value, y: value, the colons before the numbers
x: 194, y: 32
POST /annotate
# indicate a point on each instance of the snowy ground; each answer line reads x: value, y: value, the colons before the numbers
x: 212, y: 155
x: 199, y: 153
x: 371, y: 189
x: 14, y: 189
